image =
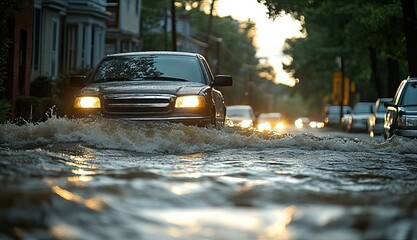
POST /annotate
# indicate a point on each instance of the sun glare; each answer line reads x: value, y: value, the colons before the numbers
x: 271, y: 33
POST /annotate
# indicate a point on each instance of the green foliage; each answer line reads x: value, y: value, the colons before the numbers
x: 7, y: 9
x: 65, y: 92
x: 5, y: 111
x: 42, y: 86
x: 353, y: 30
x: 28, y: 107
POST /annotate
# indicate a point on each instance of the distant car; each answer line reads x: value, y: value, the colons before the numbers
x: 241, y: 115
x: 302, y: 122
x: 153, y: 86
x: 332, y: 115
x: 401, y: 115
x: 270, y: 122
x: 358, y: 120
x: 376, y: 119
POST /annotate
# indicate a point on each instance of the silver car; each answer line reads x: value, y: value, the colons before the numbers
x: 401, y: 115
x: 376, y: 119
x: 358, y: 120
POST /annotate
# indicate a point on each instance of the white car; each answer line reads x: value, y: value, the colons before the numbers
x: 241, y: 115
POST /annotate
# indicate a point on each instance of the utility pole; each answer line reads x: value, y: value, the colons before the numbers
x: 342, y: 69
x: 209, y: 29
x: 174, y: 26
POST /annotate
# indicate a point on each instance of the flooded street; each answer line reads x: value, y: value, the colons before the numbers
x: 68, y: 179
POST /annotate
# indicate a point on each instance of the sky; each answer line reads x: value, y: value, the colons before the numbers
x: 271, y: 34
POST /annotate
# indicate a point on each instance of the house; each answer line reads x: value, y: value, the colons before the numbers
x: 20, y: 54
x: 123, y: 26
x: 51, y: 37
x: 67, y: 35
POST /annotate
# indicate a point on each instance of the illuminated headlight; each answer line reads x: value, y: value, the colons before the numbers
x: 190, y: 101
x: 245, y: 124
x: 298, y: 123
x: 279, y: 126
x: 265, y: 126
x: 87, y: 102
x: 404, y: 121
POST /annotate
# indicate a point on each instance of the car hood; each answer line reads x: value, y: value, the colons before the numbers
x: 145, y: 87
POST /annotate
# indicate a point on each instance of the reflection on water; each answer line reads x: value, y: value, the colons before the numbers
x: 77, y: 179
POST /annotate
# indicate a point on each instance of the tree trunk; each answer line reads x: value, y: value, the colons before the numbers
x: 410, y: 31
x: 375, y: 76
x: 393, y: 76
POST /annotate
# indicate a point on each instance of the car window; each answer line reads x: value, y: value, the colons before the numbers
x: 238, y: 112
x: 410, y: 95
x: 362, y: 108
x: 124, y: 68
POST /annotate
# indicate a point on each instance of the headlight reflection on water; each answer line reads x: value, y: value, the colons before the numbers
x: 221, y: 223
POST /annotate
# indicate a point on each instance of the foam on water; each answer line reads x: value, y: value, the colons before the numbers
x: 177, y: 138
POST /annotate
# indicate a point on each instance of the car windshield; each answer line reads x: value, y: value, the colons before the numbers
x: 362, y: 108
x: 336, y: 109
x: 149, y: 67
x: 245, y: 112
x: 410, y: 95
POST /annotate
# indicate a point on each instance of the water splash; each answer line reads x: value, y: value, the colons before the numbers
x: 178, y: 138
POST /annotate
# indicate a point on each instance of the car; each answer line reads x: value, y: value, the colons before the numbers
x: 164, y: 86
x: 401, y: 115
x: 358, y: 119
x: 241, y: 115
x: 332, y: 114
x: 302, y: 122
x: 376, y: 119
x: 270, y: 122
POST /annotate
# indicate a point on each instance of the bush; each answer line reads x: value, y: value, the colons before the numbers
x: 28, y: 108
x: 42, y: 87
x: 5, y: 111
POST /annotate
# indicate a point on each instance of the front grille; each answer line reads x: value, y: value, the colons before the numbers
x: 138, y: 104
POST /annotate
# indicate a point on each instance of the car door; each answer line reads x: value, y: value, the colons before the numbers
x: 391, y: 114
x: 217, y: 96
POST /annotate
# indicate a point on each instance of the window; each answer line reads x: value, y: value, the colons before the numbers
x: 36, y: 37
x: 54, y: 48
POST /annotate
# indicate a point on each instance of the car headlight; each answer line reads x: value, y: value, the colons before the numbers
x: 87, y: 102
x: 404, y: 121
x: 245, y: 124
x: 190, y: 101
x: 265, y: 126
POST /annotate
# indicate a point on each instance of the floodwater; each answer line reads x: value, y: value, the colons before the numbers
x: 74, y: 179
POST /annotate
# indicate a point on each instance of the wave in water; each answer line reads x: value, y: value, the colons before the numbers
x: 178, y: 138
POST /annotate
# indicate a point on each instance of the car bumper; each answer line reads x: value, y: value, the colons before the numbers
x: 406, y: 133
x: 189, y: 119
x: 378, y: 128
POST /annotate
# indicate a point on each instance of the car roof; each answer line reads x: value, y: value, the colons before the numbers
x: 155, y: 53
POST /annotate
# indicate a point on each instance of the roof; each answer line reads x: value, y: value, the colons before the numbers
x: 156, y: 53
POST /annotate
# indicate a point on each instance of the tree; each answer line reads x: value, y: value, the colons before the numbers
x: 364, y: 32
x: 7, y: 9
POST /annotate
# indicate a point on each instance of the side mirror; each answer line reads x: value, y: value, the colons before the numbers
x: 223, y: 80
x: 78, y: 81
x: 390, y: 104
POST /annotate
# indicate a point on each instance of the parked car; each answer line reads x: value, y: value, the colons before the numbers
x: 358, y: 120
x: 376, y: 119
x: 270, y: 122
x: 332, y: 115
x: 401, y: 115
x: 153, y: 86
x: 241, y: 115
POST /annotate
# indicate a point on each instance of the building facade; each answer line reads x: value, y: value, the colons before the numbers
x: 123, y: 27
